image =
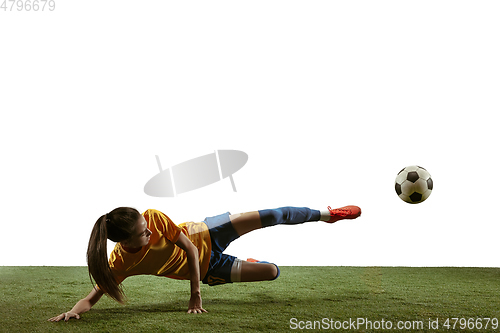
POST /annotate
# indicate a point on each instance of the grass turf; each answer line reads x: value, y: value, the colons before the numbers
x: 31, y: 295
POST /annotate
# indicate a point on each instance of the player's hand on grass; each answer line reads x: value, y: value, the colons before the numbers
x: 66, y: 316
x: 195, y: 304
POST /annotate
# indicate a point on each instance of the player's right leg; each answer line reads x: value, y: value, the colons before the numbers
x: 244, y: 271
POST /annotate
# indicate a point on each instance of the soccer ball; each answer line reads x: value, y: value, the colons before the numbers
x: 413, y: 184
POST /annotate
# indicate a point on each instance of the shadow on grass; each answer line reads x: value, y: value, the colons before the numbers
x: 259, y: 299
x: 255, y: 302
x: 137, y: 309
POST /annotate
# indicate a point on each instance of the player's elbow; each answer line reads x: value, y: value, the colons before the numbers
x: 192, y: 251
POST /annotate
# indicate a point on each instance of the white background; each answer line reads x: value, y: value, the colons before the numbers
x: 329, y: 99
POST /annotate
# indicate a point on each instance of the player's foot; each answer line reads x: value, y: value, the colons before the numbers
x: 258, y: 261
x: 343, y: 213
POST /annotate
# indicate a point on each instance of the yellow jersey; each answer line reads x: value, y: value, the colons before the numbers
x: 161, y: 256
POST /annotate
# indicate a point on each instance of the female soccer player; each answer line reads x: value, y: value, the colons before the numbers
x: 150, y: 243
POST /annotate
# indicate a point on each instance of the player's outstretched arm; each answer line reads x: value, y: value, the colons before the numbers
x: 195, y: 305
x: 81, y: 306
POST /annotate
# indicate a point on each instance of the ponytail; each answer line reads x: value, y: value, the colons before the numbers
x: 118, y: 226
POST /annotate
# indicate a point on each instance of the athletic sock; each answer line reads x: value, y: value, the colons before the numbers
x: 288, y: 215
x: 325, y: 215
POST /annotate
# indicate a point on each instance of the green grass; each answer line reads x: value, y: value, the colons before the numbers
x: 31, y: 295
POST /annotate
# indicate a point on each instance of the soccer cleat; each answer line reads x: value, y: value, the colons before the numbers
x: 343, y: 213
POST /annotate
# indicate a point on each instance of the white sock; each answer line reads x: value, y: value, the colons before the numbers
x: 325, y: 215
x: 236, y: 270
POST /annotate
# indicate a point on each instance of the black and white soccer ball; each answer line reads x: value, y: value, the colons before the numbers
x: 413, y: 184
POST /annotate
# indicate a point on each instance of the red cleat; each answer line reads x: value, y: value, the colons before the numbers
x: 344, y: 213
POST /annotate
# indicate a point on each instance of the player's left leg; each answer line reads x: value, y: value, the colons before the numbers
x: 246, y: 222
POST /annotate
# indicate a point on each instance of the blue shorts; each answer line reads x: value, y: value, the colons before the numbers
x: 222, y: 234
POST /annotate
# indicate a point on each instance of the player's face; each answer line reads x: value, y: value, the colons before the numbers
x: 141, y: 235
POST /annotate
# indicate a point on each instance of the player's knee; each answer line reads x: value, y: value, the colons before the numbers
x: 272, y: 272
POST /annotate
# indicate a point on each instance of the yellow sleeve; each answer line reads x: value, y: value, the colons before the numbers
x: 163, y: 223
